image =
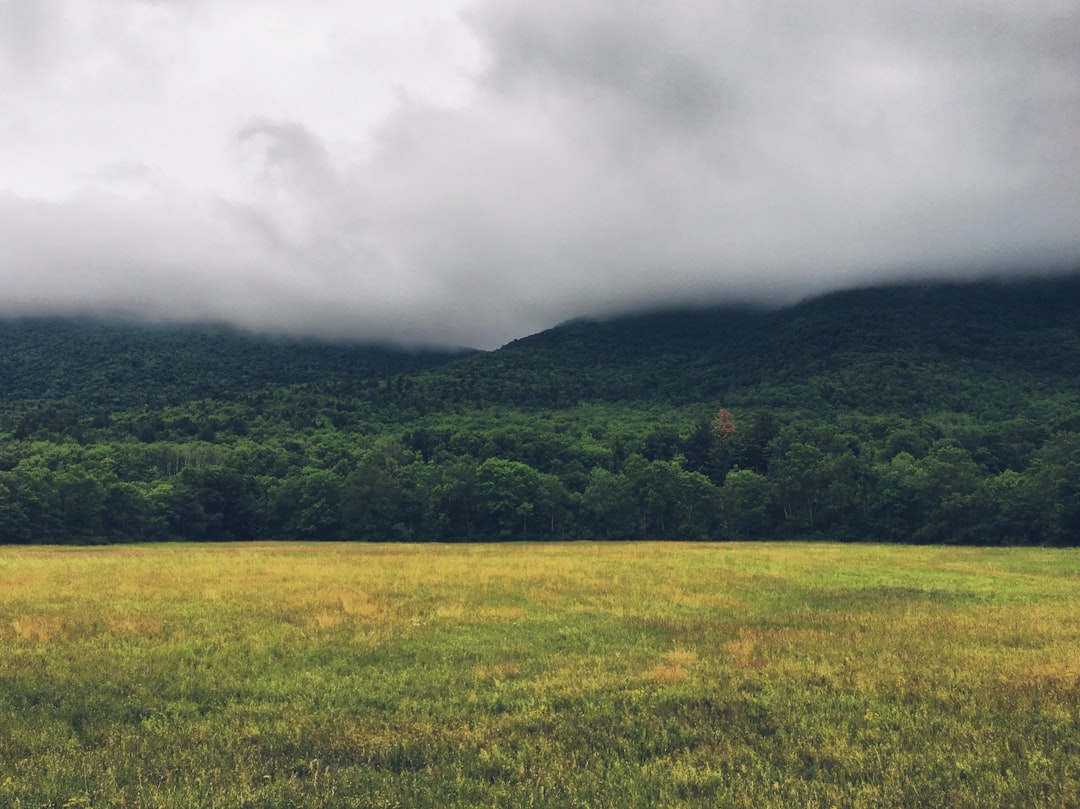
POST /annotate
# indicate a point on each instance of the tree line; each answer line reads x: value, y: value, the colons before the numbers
x: 598, y: 473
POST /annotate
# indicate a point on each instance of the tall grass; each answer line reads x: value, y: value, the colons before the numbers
x: 564, y: 675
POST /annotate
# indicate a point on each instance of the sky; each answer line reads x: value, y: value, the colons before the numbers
x: 466, y: 172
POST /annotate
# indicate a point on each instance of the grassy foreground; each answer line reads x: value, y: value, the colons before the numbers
x: 564, y: 675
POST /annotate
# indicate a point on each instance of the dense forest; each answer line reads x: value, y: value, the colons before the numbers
x: 921, y: 413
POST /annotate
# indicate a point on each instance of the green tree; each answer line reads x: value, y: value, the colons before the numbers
x: 308, y: 505
x: 128, y: 514
x: 801, y: 473
x: 376, y: 506
x: 610, y: 511
x: 1056, y: 474
x: 81, y: 500
x: 14, y: 521
x: 748, y: 500
x: 507, y: 493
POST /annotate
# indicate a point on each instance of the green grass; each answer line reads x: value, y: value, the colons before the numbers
x: 564, y: 675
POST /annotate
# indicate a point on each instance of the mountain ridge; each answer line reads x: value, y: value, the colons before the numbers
x: 678, y: 354
x: 1030, y: 328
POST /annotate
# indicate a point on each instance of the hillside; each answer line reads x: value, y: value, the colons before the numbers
x: 930, y: 413
x: 902, y: 338
x: 924, y: 347
x: 99, y: 366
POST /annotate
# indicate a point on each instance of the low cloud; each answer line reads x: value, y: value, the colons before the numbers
x: 596, y: 160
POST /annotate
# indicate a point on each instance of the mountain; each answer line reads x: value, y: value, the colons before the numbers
x: 906, y: 348
x: 928, y: 346
x: 98, y: 366
x: 918, y: 413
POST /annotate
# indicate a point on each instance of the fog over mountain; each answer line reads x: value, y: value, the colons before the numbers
x: 470, y: 172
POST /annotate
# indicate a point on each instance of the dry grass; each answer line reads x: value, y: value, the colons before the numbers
x: 675, y: 667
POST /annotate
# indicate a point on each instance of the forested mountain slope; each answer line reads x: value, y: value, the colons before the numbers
x: 929, y: 413
x: 96, y: 365
x: 918, y: 346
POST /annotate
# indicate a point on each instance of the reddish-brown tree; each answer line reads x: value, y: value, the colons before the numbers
x: 723, y: 424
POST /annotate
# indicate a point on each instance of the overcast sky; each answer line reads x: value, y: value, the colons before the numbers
x: 465, y: 172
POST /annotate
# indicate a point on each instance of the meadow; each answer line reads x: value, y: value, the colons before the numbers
x: 545, y: 675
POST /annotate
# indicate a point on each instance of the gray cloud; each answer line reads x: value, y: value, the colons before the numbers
x: 618, y: 159
x: 24, y: 35
x: 604, y: 158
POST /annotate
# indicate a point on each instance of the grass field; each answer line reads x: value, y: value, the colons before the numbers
x: 563, y: 675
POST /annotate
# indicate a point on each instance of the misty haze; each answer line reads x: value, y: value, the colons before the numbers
x: 468, y: 173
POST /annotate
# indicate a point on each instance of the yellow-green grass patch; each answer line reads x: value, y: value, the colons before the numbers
x: 569, y: 674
